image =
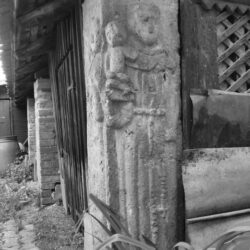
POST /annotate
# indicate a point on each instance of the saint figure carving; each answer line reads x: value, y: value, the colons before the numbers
x: 141, y: 152
x: 96, y: 72
x: 119, y: 91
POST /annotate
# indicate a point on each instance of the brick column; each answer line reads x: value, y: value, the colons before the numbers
x: 32, y: 134
x: 46, y: 154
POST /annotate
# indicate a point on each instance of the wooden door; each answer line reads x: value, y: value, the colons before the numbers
x: 68, y: 91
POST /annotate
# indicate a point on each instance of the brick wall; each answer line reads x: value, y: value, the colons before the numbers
x: 46, y: 149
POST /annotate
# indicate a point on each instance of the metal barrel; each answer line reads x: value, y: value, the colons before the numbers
x: 8, y: 149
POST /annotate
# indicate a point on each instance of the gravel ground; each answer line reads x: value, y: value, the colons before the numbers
x: 55, y: 230
x: 25, y: 226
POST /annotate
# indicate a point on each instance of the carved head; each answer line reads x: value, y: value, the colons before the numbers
x: 143, y: 21
x: 96, y: 35
x: 115, y: 33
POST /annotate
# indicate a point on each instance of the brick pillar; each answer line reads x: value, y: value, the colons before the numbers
x: 32, y: 134
x: 46, y: 154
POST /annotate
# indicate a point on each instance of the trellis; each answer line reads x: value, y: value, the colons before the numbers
x: 233, y: 37
x: 215, y: 36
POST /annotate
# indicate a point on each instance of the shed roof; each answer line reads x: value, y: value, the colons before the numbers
x: 33, y: 38
x: 6, y: 31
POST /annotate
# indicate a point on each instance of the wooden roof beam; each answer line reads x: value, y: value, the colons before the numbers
x: 36, y: 48
x: 50, y: 9
x: 210, y: 3
x: 23, y: 85
x: 33, y: 66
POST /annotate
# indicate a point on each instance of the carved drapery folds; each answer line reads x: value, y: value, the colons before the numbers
x: 133, y: 88
x: 134, y: 67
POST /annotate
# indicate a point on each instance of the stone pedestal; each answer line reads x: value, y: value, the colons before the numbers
x: 46, y: 149
x: 31, y: 135
x: 133, y: 97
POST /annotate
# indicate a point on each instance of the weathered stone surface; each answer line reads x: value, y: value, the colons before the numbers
x: 31, y: 134
x: 133, y: 98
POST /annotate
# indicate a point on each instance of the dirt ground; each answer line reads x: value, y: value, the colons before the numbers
x: 55, y: 230
x: 25, y: 226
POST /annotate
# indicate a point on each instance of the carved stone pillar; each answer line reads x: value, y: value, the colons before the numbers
x: 32, y: 134
x: 133, y: 97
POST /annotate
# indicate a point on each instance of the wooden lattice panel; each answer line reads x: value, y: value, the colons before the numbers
x: 233, y: 33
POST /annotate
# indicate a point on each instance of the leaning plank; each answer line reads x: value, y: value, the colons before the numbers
x: 234, y: 47
x: 234, y: 67
x: 233, y: 28
x: 240, y: 81
x: 35, y: 48
x: 52, y: 8
x: 32, y: 66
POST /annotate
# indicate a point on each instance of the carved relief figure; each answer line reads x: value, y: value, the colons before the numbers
x: 143, y: 22
x: 115, y: 61
x: 119, y: 91
x: 96, y: 72
x: 141, y: 152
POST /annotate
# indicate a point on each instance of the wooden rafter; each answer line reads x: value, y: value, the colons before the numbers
x: 50, y: 9
x: 20, y: 86
x: 38, y: 47
x: 32, y: 66
x: 242, y: 5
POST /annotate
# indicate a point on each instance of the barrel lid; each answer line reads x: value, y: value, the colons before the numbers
x: 8, y: 138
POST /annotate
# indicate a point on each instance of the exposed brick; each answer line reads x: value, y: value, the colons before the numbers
x: 46, y: 120
x: 44, y: 105
x: 47, y: 201
x: 47, y: 143
x: 47, y: 156
x: 47, y: 135
x: 46, y: 193
x: 45, y: 112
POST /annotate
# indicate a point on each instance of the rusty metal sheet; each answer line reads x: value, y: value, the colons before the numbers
x: 205, y: 232
x: 216, y: 180
x: 220, y: 120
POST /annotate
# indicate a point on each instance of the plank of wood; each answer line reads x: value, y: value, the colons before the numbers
x: 209, y: 4
x: 234, y: 67
x: 32, y: 66
x: 239, y: 82
x: 38, y: 47
x: 51, y: 8
x: 234, y: 47
x: 199, y: 57
x: 244, y: 19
